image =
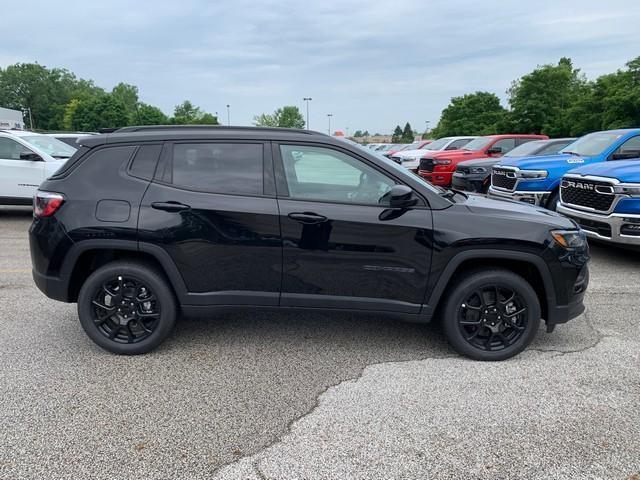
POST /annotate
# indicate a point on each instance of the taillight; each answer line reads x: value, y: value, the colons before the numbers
x: 46, y: 204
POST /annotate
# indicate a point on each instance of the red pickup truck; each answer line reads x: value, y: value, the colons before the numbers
x: 438, y: 167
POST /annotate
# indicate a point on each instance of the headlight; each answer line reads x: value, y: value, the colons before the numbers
x: 441, y: 161
x: 478, y: 170
x: 569, y: 238
x: 533, y: 174
x: 633, y: 190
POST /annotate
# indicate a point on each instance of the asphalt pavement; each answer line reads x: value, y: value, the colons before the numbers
x: 313, y: 396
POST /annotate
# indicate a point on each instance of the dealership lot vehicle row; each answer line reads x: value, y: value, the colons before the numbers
x: 246, y: 391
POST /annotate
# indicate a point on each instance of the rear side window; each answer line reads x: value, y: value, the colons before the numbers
x: 228, y: 168
x: 144, y: 164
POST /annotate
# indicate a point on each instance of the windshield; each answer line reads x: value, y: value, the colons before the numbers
x: 51, y: 146
x: 438, y: 144
x: 524, y: 150
x: 477, y: 144
x: 592, y: 144
x: 411, y: 146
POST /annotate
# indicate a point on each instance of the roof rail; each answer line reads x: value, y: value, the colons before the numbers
x: 151, y: 128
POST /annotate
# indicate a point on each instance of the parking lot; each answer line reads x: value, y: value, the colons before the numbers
x: 275, y: 395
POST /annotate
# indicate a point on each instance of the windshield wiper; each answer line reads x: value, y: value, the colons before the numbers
x: 572, y: 153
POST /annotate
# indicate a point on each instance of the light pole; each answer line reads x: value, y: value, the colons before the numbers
x: 329, y: 115
x: 307, y: 100
x: 228, y: 115
x: 426, y: 127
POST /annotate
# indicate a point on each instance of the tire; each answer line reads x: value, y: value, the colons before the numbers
x: 127, y: 308
x: 472, y: 326
x: 552, y: 203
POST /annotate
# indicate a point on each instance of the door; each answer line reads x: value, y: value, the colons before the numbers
x: 343, y: 247
x: 22, y: 171
x: 213, y: 211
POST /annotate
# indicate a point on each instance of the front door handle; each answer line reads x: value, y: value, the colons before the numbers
x: 170, y: 206
x: 307, y: 218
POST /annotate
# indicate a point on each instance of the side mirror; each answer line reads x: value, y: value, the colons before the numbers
x: 30, y: 156
x: 400, y: 196
x: 494, y: 150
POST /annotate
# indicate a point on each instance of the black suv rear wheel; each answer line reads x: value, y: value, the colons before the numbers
x: 127, y: 308
x: 491, y: 315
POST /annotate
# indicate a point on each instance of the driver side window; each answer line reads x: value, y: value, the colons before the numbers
x: 12, y: 150
x: 323, y: 174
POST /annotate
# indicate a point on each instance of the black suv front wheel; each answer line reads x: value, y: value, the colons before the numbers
x: 127, y: 308
x: 491, y: 315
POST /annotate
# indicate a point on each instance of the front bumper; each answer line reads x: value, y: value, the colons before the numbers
x: 533, y: 198
x: 469, y: 183
x: 607, y: 228
x: 442, y: 179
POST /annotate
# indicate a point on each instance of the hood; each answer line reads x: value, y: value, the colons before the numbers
x: 547, y: 162
x: 624, y: 170
x: 458, y: 155
x: 411, y: 153
x: 480, y: 162
x: 511, y: 210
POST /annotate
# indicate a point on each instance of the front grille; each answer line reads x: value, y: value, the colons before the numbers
x: 587, y: 193
x: 601, y: 228
x: 500, y: 179
x: 426, y: 164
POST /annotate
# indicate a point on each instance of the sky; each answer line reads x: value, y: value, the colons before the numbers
x: 370, y: 64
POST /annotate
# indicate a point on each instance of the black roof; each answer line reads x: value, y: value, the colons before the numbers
x: 201, y: 132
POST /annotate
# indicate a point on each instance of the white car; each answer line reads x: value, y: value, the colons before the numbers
x: 26, y: 160
x: 70, y: 138
x: 411, y: 158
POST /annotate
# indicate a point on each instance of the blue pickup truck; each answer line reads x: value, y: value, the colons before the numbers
x: 536, y: 180
x: 604, y: 199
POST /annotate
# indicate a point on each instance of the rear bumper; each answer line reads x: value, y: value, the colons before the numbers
x: 53, y: 287
x: 593, y: 223
x: 533, y: 198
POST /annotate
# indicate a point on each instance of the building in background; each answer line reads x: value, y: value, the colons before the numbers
x: 11, y: 119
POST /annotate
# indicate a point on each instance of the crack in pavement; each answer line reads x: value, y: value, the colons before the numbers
x: 316, y: 405
x: 290, y: 425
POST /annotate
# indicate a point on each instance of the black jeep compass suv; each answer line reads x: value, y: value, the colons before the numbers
x: 145, y: 223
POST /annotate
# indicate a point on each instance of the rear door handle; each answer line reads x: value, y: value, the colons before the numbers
x: 307, y: 218
x: 170, y: 206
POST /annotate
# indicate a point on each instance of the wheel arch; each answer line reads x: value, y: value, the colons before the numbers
x: 85, y: 257
x: 528, y: 265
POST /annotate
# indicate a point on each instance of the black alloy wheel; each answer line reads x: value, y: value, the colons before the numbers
x: 127, y: 307
x: 490, y: 314
x: 492, y: 318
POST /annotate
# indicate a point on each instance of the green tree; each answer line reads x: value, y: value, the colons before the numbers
x: 366, y: 133
x: 286, y: 117
x: 472, y: 114
x: 612, y: 101
x: 358, y: 134
x: 188, y: 114
x: 150, y: 115
x: 540, y: 100
x: 42, y: 91
x: 128, y: 96
x: 407, y: 134
x: 104, y: 111
x: 397, y: 135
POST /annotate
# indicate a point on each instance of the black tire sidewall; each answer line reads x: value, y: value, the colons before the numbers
x: 460, y: 294
x: 552, y: 203
x: 158, y: 285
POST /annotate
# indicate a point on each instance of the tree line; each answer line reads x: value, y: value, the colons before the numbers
x: 56, y: 100
x: 556, y: 100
